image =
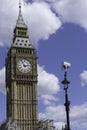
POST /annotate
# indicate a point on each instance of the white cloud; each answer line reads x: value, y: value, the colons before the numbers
x: 2, y: 80
x: 57, y: 113
x: 41, y: 19
x: 8, y: 13
x: 42, y: 22
x: 48, y: 86
x: 59, y: 125
x: 83, y: 77
x: 77, y: 113
x: 45, y: 0
x: 73, y: 11
x: 78, y: 118
x: 48, y: 83
x: 49, y: 99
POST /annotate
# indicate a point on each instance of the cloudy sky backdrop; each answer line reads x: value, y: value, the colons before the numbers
x: 58, y: 30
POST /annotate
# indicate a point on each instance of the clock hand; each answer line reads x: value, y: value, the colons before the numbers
x: 22, y: 62
x: 25, y: 65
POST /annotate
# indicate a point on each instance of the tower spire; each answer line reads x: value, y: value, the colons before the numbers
x: 20, y: 21
x: 21, y: 32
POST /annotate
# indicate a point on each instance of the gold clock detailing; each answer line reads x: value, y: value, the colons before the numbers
x: 24, y: 65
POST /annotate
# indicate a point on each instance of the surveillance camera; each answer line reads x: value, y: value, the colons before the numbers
x: 66, y: 65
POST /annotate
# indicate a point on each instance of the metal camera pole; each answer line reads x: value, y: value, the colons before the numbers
x: 65, y: 82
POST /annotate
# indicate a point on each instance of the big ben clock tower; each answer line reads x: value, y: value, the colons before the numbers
x: 21, y: 79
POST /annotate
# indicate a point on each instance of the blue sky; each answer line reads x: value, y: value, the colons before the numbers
x: 58, y: 29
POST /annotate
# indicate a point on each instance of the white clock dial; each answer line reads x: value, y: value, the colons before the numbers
x: 24, y: 65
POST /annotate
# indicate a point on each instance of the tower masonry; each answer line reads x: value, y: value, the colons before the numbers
x: 21, y: 78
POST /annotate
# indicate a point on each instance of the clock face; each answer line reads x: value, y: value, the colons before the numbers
x: 24, y: 65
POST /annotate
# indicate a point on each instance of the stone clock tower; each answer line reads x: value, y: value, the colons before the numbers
x: 21, y: 79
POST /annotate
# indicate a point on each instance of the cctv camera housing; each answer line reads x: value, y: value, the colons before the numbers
x: 66, y: 65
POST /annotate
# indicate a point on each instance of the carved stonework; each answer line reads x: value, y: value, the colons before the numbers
x: 21, y: 79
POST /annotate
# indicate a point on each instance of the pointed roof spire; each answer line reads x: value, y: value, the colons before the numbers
x: 20, y: 21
